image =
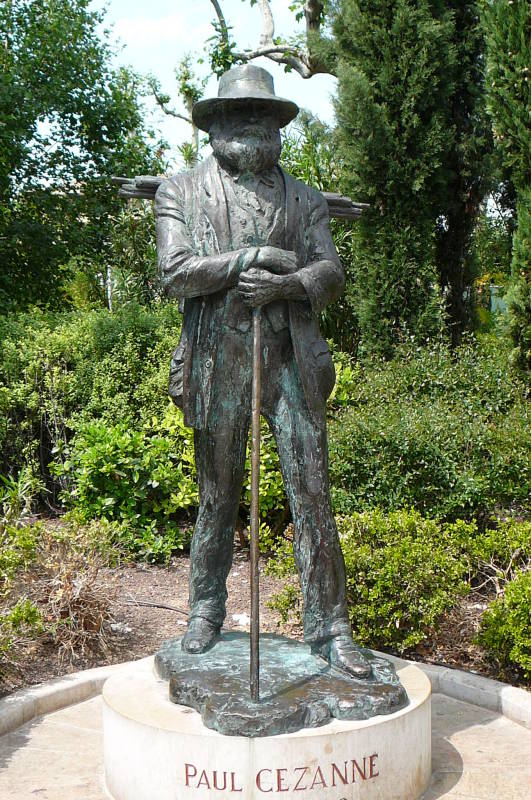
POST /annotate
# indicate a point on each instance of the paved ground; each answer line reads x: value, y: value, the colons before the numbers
x: 477, y: 755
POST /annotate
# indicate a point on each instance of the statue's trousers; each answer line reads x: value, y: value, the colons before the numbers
x: 220, y: 460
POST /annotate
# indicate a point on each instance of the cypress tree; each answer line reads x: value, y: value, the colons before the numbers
x: 468, y: 165
x: 417, y: 141
x: 508, y: 30
x: 395, y: 62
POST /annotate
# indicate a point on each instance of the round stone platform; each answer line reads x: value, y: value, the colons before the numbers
x: 156, y: 749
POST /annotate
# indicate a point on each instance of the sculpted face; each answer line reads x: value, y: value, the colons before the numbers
x: 246, y: 140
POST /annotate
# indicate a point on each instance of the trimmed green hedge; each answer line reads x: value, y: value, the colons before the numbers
x: 447, y: 433
x: 404, y: 571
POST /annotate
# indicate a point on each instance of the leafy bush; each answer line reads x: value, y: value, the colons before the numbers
x: 17, y: 550
x: 445, y: 433
x: 499, y: 553
x: 506, y: 626
x: 23, y: 620
x: 58, y: 371
x: 17, y: 495
x: 402, y: 571
x: 140, y: 478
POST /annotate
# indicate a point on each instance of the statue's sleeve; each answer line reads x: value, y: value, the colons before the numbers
x: 322, y: 277
x: 183, y: 271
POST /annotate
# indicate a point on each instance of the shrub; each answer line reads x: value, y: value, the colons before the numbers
x: 144, y: 479
x: 497, y: 555
x: 17, y: 550
x: 50, y: 588
x: 445, y: 433
x: 506, y: 626
x: 22, y: 621
x: 403, y: 572
x: 59, y: 371
x: 140, y: 478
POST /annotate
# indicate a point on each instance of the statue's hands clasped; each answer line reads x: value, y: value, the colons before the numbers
x: 274, y: 259
x: 258, y: 287
x: 271, y: 276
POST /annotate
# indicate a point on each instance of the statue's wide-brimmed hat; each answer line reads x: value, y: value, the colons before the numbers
x: 246, y: 86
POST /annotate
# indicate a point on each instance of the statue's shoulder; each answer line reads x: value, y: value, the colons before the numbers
x: 311, y: 197
x: 177, y: 187
x: 197, y: 173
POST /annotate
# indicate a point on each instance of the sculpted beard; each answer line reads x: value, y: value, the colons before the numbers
x: 251, y: 150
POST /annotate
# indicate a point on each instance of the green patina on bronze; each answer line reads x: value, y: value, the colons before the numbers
x: 234, y: 234
x: 300, y: 690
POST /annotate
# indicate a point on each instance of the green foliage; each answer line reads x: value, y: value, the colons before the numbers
x: 58, y: 371
x: 507, y: 24
x: 139, y: 478
x: 69, y: 121
x: 17, y: 495
x: 394, y: 63
x: 519, y: 294
x: 133, y: 253
x: 144, y: 479
x: 506, y: 626
x: 490, y: 259
x: 402, y: 573
x: 416, y: 142
x: 446, y: 433
x: 22, y: 620
x: 287, y: 602
x: 17, y: 550
x: 468, y: 171
x: 346, y: 376
x: 221, y: 49
x: 503, y: 550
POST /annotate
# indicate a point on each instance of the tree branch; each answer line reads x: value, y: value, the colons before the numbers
x: 224, y: 28
x: 281, y: 54
x: 301, y: 60
x: 268, y: 23
x: 313, y: 10
x: 162, y: 103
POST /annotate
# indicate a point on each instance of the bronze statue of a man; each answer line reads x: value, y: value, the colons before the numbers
x: 233, y: 233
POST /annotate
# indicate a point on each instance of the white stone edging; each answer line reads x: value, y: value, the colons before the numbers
x: 21, y: 707
x: 511, y: 702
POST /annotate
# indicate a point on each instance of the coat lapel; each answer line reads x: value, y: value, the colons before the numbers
x: 213, y: 202
x: 293, y: 212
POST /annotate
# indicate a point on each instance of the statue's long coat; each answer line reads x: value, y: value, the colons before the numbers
x: 198, y: 262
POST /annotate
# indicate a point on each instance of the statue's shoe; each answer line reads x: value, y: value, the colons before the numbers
x: 342, y: 653
x: 200, y: 635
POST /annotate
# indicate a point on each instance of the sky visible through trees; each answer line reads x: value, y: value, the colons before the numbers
x: 156, y: 36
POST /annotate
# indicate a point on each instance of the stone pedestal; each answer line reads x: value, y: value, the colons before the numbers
x: 157, y: 750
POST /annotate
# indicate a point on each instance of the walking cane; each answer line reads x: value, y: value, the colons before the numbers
x: 255, y: 517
